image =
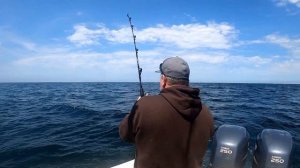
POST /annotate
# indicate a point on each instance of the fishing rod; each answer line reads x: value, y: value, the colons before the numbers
x: 142, y: 93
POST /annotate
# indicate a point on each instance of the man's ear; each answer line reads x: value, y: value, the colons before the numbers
x: 164, y: 80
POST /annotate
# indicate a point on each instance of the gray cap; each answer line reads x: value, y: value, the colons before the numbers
x: 175, y: 67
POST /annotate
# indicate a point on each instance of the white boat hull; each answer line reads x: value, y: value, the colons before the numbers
x: 129, y: 164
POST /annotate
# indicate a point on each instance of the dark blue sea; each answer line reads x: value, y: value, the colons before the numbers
x: 76, y: 124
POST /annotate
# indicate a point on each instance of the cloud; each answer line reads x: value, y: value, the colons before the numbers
x: 69, y: 59
x: 257, y: 60
x: 192, y: 18
x: 250, y: 61
x: 224, y: 58
x: 188, y: 36
x: 203, y: 57
x: 84, y: 36
x: 56, y: 64
x: 65, y: 62
x: 288, y: 2
x: 27, y: 45
x: 292, y: 45
x: 288, y: 65
x: 121, y: 65
x: 9, y: 39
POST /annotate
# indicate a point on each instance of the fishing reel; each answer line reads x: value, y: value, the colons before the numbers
x: 230, y: 145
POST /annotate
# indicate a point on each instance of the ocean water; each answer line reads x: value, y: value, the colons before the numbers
x: 76, y: 124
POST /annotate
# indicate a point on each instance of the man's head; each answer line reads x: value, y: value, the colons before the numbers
x: 174, y: 71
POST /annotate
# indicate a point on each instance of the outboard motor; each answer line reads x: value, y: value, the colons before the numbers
x: 273, y: 149
x: 229, y: 147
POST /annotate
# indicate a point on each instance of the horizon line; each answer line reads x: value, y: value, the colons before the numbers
x: 292, y: 83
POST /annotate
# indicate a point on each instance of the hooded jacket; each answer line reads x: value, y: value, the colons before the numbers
x: 170, y: 130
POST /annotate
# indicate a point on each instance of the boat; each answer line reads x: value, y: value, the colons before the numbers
x: 129, y: 164
x: 230, y: 145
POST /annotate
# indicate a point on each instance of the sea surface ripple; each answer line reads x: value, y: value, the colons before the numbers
x: 76, y: 124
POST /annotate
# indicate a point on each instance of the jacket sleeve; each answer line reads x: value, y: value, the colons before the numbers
x: 126, y: 128
x: 212, y: 126
x: 123, y: 129
x: 210, y: 121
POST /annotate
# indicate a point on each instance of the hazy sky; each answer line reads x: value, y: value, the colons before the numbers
x: 90, y: 40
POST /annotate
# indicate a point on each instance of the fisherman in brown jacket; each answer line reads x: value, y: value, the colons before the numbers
x: 172, y: 129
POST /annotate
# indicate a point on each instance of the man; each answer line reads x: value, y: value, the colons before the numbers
x: 172, y: 129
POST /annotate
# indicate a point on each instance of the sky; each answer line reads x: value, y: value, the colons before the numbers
x: 226, y: 41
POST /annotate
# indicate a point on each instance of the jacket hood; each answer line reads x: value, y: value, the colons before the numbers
x: 185, y: 100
